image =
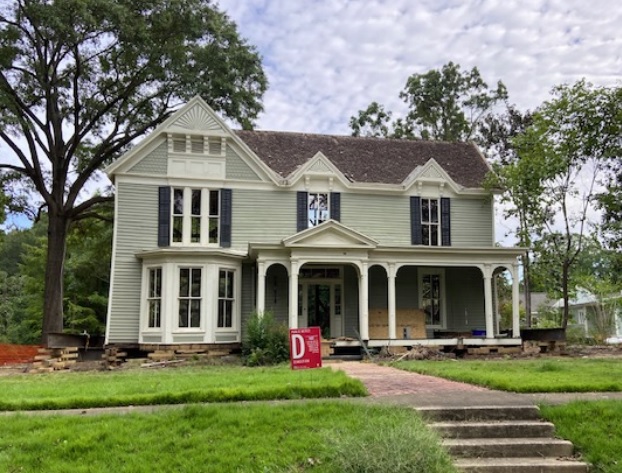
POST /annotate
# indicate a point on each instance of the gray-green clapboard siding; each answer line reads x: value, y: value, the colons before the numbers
x: 155, y: 162
x: 248, y: 293
x: 136, y: 222
x: 261, y: 217
x: 351, y: 301
x: 387, y: 219
x: 465, y: 299
x: 471, y: 222
x: 277, y: 293
x: 237, y: 168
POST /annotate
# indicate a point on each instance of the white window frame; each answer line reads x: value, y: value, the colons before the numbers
x: 204, y: 215
x: 429, y: 224
x: 145, y: 299
x: 442, y: 300
x: 233, y: 299
x: 203, y: 298
x: 310, y: 223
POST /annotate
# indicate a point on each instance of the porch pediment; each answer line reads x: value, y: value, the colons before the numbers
x: 330, y: 234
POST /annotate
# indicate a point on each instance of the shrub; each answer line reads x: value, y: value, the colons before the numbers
x: 266, y: 341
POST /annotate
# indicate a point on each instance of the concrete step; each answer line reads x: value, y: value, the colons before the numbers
x: 480, y: 413
x: 495, y: 429
x: 520, y: 465
x: 512, y: 447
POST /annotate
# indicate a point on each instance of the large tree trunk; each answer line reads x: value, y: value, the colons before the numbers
x: 53, y: 293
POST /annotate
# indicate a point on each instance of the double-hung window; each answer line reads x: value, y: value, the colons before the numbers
x: 318, y: 210
x: 195, y: 216
x: 154, y: 298
x: 189, y: 299
x: 226, y: 298
x: 430, y: 234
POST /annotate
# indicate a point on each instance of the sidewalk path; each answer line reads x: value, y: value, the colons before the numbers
x: 390, y: 385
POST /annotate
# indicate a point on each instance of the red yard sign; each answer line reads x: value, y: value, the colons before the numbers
x: 305, y: 348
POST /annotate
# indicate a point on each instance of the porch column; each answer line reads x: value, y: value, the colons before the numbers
x: 363, y: 303
x: 488, y: 302
x: 261, y: 287
x: 392, y: 318
x: 293, y: 294
x: 515, y: 300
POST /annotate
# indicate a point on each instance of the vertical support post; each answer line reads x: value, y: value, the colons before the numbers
x: 488, y: 302
x: 293, y: 294
x: 515, y: 301
x: 391, y: 306
x: 364, y: 303
x: 261, y: 287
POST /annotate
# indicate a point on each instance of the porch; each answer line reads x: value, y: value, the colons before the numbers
x: 389, y: 297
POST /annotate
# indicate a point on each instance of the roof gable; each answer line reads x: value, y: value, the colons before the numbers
x: 330, y: 234
x: 430, y: 172
x: 194, y: 118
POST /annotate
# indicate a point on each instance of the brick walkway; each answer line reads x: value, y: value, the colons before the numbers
x: 386, y: 381
x: 388, y: 385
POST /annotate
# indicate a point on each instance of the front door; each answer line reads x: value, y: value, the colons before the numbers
x: 321, y: 307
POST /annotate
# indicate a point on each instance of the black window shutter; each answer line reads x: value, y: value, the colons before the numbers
x: 415, y: 220
x: 164, y: 216
x: 225, y: 218
x: 445, y: 222
x: 335, y: 206
x: 301, y: 211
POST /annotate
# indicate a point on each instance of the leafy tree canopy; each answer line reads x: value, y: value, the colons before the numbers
x: 444, y: 104
x: 82, y: 79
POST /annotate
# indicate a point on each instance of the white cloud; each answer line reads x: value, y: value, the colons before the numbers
x: 327, y: 59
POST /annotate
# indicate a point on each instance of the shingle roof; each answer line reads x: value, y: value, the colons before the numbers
x: 370, y: 160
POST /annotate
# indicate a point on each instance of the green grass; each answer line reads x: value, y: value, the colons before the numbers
x: 528, y: 376
x: 317, y: 436
x: 171, y: 386
x: 595, y: 428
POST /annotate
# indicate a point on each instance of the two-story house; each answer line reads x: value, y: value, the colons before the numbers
x: 386, y: 241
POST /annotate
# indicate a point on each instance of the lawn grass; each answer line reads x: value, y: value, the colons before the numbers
x: 527, y: 376
x: 595, y: 428
x: 318, y: 436
x: 171, y: 386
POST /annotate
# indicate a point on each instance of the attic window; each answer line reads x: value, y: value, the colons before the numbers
x: 179, y: 144
x: 196, y: 144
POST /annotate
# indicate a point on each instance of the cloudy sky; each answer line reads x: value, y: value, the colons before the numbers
x: 327, y: 59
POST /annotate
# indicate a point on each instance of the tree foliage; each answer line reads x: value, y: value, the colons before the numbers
x: 80, y: 80
x: 563, y: 153
x: 443, y: 104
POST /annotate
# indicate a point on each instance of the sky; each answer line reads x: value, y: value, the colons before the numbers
x: 328, y: 59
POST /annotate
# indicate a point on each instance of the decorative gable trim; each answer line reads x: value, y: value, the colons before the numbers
x: 199, y: 119
x: 330, y: 234
x: 431, y: 173
x: 319, y: 166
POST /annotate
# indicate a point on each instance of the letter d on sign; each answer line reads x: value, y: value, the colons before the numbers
x: 298, y: 346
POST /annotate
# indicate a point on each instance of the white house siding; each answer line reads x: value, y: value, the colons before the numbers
x: 155, y: 162
x: 136, y: 222
x: 465, y: 299
x: 237, y: 168
x: 471, y: 222
x: 261, y: 217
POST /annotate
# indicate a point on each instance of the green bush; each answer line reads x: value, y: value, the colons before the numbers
x: 266, y: 341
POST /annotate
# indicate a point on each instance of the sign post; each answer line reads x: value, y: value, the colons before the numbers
x: 305, y: 348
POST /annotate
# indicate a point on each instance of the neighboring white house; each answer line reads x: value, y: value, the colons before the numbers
x: 583, y: 312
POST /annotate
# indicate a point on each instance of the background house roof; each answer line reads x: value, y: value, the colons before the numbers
x: 387, y: 161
